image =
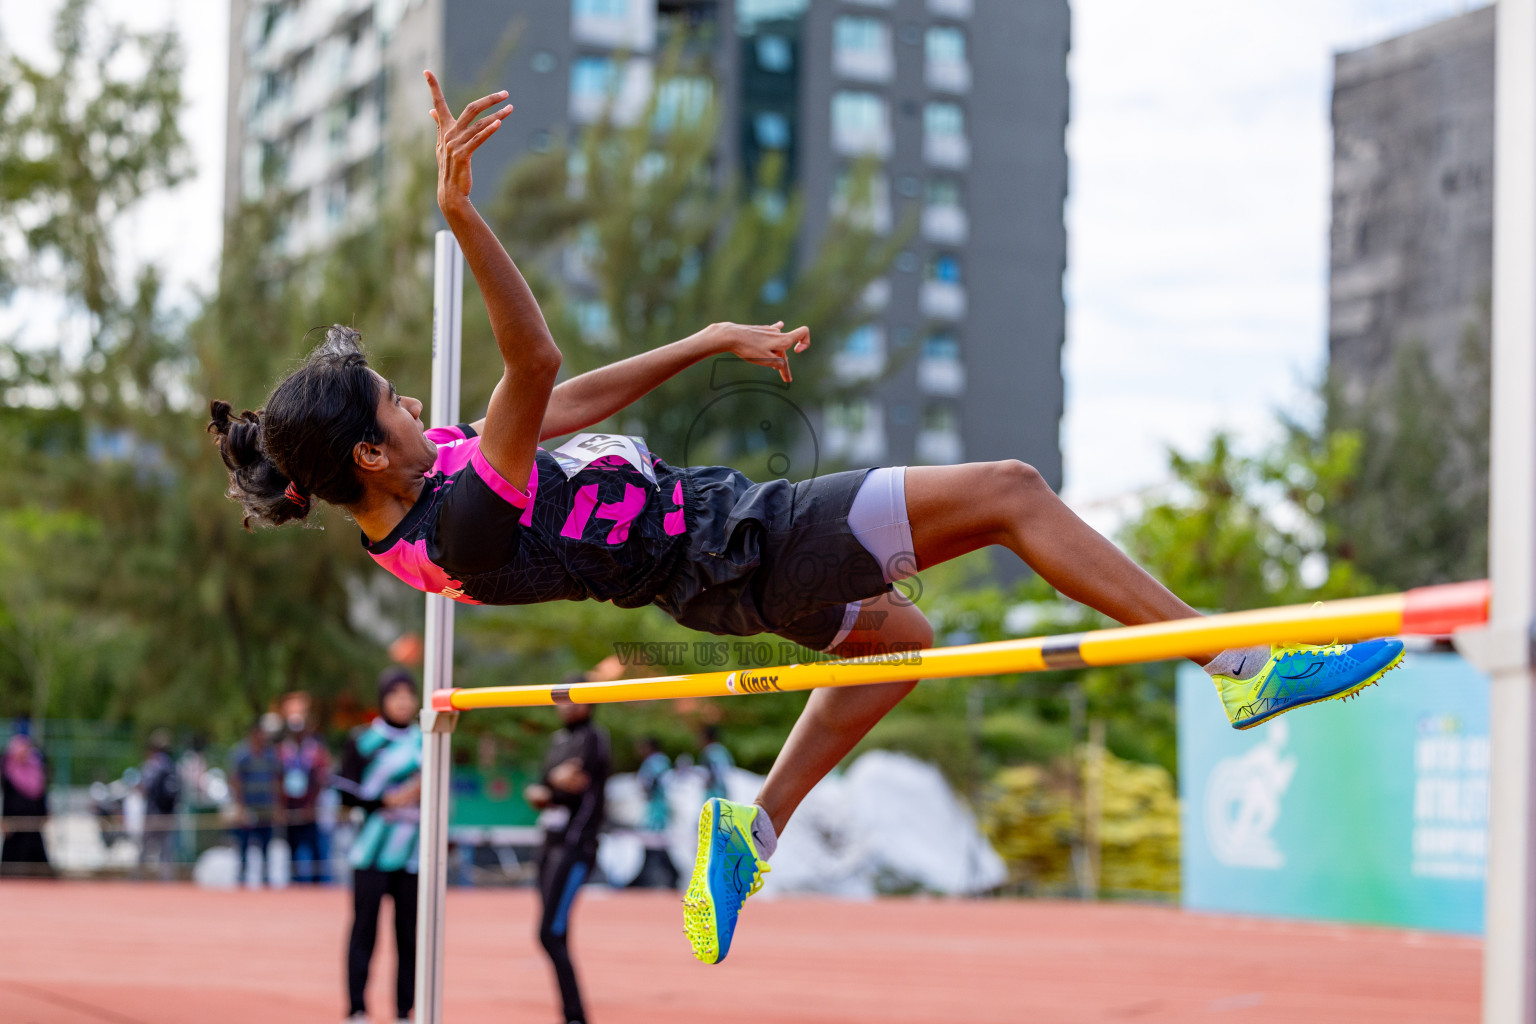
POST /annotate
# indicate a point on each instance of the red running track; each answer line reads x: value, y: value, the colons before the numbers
x: 105, y: 953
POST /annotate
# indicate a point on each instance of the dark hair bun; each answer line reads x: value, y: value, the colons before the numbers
x: 254, y: 479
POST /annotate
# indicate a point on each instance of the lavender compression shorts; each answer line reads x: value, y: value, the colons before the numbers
x: 878, y: 520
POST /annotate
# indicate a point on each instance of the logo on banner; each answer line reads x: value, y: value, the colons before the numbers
x: 1450, y: 801
x: 1242, y: 802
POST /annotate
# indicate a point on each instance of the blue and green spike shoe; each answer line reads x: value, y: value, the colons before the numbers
x: 1301, y: 674
x: 726, y: 871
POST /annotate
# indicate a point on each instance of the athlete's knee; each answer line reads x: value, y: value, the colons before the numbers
x: 1019, y: 476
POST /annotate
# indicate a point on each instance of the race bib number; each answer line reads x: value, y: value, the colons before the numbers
x: 584, y: 449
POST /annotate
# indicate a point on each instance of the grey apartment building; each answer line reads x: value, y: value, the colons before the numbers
x: 1411, y: 245
x: 963, y: 104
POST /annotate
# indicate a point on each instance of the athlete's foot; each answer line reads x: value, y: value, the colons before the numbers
x: 1294, y: 675
x: 726, y: 871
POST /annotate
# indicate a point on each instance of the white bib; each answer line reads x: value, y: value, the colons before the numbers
x: 584, y: 449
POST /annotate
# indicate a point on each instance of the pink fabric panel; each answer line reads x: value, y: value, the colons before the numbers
x: 581, y: 512
x: 409, y: 561
x: 444, y: 435
x: 673, y: 522
x: 511, y: 495
x: 624, y: 511
x: 453, y: 456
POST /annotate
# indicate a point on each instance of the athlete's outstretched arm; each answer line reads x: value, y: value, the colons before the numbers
x: 510, y: 432
x: 594, y: 396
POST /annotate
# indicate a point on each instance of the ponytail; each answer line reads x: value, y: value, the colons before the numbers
x: 300, y: 445
x: 254, y: 479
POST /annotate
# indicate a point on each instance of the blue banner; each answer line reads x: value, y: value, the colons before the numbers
x: 1372, y: 810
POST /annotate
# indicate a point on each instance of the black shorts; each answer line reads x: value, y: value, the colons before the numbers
x: 774, y: 557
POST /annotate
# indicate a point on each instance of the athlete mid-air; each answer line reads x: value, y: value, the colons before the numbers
x: 480, y: 513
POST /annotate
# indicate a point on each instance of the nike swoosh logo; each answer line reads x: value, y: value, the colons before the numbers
x: 1310, y: 671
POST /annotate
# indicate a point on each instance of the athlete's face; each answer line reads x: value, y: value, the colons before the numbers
x: 404, y: 432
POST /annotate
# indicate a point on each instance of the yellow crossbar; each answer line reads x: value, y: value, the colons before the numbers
x: 1428, y: 610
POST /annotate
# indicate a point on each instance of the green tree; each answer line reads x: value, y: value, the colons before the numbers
x: 1416, y: 513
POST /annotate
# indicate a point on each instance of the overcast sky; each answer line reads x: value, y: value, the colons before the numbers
x: 1197, y: 223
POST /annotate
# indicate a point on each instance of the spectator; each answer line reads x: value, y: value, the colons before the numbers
x: 255, y: 779
x: 23, y: 806
x: 658, y: 869
x: 160, y: 781
x: 571, y: 795
x: 306, y: 774
x: 717, y: 764
x: 381, y: 774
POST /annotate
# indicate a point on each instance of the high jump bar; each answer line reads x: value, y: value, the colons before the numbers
x: 1438, y: 610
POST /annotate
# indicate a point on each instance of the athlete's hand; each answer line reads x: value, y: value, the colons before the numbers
x: 458, y: 138
x: 763, y: 344
x: 569, y: 777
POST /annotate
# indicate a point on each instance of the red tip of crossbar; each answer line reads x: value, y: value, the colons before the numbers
x: 1439, y: 611
x: 442, y: 700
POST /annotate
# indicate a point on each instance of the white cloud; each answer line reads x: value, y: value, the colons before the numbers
x: 1198, y: 220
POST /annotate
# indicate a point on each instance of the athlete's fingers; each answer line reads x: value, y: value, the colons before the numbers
x: 475, y: 140
x: 802, y: 336
x: 438, y: 102
x: 474, y: 109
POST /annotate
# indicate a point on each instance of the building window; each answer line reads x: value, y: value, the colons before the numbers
x: 592, y: 78
x: 771, y: 129
x: 774, y: 54
x: 596, y: 324
x: 615, y: 24
x: 861, y: 123
x: 682, y: 100
x: 943, y: 120
x: 946, y: 69
x: 939, y: 370
x: 940, y: 418
x: 861, y: 49
x: 941, y: 348
x: 862, y: 355
x: 864, y: 199
x: 600, y: 8
x: 597, y: 81
x: 861, y: 35
x: 942, y: 192
x: 944, y: 141
x: 945, y: 268
x: 944, y: 221
x: 945, y: 44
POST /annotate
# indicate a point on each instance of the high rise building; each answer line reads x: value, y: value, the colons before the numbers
x: 961, y: 104
x: 1412, y: 236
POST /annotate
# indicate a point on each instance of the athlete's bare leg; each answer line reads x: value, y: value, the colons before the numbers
x: 836, y: 718
x: 955, y: 510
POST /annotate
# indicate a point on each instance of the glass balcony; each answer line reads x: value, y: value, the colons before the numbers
x: 942, y: 300
x: 939, y: 447
x: 615, y: 24
x: 946, y: 225
x: 950, y: 8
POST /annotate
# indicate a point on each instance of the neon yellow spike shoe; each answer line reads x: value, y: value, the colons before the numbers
x: 1301, y: 674
x: 726, y: 871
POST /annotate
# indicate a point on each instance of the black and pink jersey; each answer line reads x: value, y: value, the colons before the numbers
x: 606, y: 533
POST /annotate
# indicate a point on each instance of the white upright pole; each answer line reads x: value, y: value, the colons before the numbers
x: 1504, y: 650
x: 437, y: 727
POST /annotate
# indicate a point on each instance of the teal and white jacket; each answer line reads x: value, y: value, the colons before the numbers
x: 379, y: 759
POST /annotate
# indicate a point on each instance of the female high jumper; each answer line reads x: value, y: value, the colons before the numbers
x: 480, y: 513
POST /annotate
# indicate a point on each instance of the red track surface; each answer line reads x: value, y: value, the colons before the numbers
x: 85, y: 953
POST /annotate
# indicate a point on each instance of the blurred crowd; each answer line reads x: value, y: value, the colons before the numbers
x: 275, y: 800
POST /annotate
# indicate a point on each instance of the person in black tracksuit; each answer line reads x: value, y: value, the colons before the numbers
x: 570, y: 794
